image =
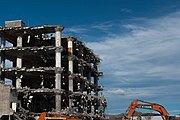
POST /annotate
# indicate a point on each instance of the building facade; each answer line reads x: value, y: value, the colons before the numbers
x: 49, y: 72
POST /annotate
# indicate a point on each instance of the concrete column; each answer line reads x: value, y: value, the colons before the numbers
x: 89, y: 80
x: 89, y: 88
x: 58, y: 66
x: 2, y: 57
x: 96, y: 79
x: 19, y: 62
x: 14, y: 61
x: 70, y: 53
x: 3, y: 44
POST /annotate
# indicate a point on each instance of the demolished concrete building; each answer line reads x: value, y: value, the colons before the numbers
x: 49, y: 73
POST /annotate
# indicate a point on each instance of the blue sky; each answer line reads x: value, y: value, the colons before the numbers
x: 137, y: 40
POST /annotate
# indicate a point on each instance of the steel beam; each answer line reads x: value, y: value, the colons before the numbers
x: 19, y: 62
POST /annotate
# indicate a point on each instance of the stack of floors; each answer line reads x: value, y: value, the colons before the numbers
x: 51, y: 73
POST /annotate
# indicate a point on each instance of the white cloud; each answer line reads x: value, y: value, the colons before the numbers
x: 147, y: 51
x: 116, y: 91
x: 133, y: 27
x: 103, y: 26
x: 76, y: 29
x: 148, y: 54
x: 177, y: 112
x: 92, y: 29
x: 126, y: 10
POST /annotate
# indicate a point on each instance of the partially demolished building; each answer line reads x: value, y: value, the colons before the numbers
x: 49, y: 73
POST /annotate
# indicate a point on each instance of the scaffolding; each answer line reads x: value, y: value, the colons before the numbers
x: 50, y: 73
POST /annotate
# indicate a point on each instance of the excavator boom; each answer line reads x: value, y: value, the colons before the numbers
x: 146, y: 105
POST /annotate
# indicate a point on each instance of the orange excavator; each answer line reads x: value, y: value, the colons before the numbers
x: 45, y: 116
x: 151, y: 106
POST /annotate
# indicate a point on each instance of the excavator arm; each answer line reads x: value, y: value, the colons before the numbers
x: 146, y: 105
x: 132, y: 108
